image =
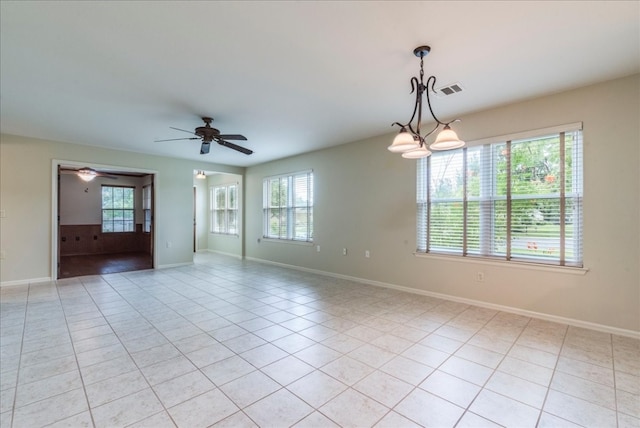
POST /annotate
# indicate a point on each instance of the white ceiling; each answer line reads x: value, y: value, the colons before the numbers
x: 291, y: 76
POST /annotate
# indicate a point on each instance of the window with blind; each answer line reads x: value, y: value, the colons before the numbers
x: 517, y: 198
x: 146, y: 208
x: 117, y: 209
x: 288, y: 207
x: 224, y: 209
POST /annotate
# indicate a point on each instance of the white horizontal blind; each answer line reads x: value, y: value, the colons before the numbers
x: 224, y: 209
x: 288, y: 207
x: 146, y: 207
x: 516, y: 200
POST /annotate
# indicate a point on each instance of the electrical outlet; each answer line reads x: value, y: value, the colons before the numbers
x: 344, y: 251
x: 367, y: 254
x: 480, y: 276
x: 318, y: 248
x: 169, y: 244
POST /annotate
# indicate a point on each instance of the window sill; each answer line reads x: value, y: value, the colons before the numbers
x: 518, y: 265
x: 286, y: 241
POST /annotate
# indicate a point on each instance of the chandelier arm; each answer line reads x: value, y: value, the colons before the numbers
x: 415, y: 87
x: 428, y: 88
x: 454, y: 120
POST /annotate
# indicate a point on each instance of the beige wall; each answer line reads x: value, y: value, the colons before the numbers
x: 81, y: 202
x: 365, y: 200
x: 26, y: 189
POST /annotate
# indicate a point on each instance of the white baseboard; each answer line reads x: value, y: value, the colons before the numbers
x: 223, y: 253
x: 25, y: 281
x: 173, y: 265
x: 509, y: 309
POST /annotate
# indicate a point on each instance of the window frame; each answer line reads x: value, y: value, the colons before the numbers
x: 289, y: 208
x: 227, y: 212
x: 112, y: 209
x: 489, y: 194
x: 147, y: 201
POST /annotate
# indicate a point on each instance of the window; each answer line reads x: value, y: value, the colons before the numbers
x: 146, y: 208
x: 117, y: 209
x: 288, y: 207
x: 224, y: 209
x: 518, y: 199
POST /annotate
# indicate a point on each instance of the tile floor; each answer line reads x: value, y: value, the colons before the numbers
x: 230, y: 343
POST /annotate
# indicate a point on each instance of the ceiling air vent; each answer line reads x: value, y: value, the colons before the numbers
x: 451, y: 89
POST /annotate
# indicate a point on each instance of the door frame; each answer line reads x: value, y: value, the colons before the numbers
x: 55, y: 206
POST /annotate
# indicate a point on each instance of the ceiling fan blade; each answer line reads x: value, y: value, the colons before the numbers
x: 232, y: 137
x: 235, y: 147
x: 183, y: 130
x: 204, y: 148
x: 176, y: 139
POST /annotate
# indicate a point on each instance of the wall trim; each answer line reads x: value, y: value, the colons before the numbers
x: 25, y: 281
x: 532, y: 314
x: 224, y: 253
x: 172, y: 265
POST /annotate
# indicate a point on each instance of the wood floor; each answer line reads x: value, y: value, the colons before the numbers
x: 98, y: 264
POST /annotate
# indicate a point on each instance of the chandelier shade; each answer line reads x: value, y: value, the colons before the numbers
x: 420, y: 152
x: 447, y: 140
x: 410, y: 142
x: 404, y: 141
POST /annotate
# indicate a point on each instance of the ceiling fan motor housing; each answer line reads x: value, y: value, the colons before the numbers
x: 207, y: 133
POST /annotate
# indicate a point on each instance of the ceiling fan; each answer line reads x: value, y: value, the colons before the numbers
x: 208, y: 134
x: 86, y: 174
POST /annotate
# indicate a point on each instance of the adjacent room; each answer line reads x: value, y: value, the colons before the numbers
x: 327, y: 214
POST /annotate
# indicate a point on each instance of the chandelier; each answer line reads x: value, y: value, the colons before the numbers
x: 409, y: 141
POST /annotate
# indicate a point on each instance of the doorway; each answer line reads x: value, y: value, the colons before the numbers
x: 104, y: 225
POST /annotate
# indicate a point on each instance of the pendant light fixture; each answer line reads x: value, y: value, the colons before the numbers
x: 409, y: 141
x: 87, y: 174
x: 201, y: 175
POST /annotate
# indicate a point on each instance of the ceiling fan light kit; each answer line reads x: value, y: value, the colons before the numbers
x: 409, y: 141
x: 209, y: 134
x: 87, y: 174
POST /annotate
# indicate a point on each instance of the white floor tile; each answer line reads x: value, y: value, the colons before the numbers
x: 250, y: 388
x: 280, y: 409
x: 233, y: 343
x: 287, y: 370
x: 451, y: 388
x: 317, y: 388
x: 503, y: 410
x: 182, y: 388
x: 203, y: 410
x: 353, y: 409
x: 428, y: 410
x: 578, y: 411
x: 383, y: 388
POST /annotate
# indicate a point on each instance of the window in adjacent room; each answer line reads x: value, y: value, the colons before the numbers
x: 118, y: 209
x: 224, y: 209
x: 516, y: 198
x: 288, y: 207
x: 146, y: 208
